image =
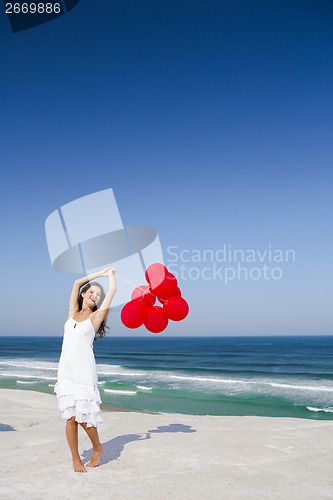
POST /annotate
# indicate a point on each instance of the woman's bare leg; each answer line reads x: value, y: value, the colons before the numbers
x: 97, y: 446
x: 72, y: 438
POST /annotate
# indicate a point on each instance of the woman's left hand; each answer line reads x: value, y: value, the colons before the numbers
x: 105, y: 272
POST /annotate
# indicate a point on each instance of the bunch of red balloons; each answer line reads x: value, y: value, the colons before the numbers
x: 142, y: 309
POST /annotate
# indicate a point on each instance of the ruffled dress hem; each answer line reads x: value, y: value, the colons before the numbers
x: 80, y: 401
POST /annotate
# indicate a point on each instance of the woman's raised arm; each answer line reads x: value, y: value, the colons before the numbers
x: 73, y: 301
x: 103, y: 310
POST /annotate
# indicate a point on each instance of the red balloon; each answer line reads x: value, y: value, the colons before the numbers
x: 176, y: 308
x: 156, y: 321
x: 162, y: 283
x: 156, y: 273
x: 133, y: 314
x: 166, y: 288
x: 178, y: 292
x: 143, y: 292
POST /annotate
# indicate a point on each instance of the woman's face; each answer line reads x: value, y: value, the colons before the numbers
x: 92, y: 296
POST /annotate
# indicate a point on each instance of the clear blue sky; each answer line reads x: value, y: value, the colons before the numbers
x: 211, y: 121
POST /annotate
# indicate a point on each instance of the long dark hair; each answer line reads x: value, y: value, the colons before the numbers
x: 101, y: 331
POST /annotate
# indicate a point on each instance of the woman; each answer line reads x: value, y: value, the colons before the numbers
x: 77, y: 386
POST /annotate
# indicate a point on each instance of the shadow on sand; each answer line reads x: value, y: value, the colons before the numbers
x: 6, y: 427
x: 114, y: 447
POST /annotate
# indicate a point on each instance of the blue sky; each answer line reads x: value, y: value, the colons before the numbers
x: 211, y: 121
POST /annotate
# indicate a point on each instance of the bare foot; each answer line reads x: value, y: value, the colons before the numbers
x: 78, y: 467
x: 95, y: 457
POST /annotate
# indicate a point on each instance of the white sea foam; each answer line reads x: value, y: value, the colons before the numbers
x: 327, y: 410
x: 31, y: 364
x: 25, y: 382
x: 124, y: 373
x: 144, y: 388
x: 211, y: 379
x: 119, y: 391
x: 328, y: 388
x: 20, y: 375
x: 103, y: 369
x: 103, y: 366
x: 302, y: 387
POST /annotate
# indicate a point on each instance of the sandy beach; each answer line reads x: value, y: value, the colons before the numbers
x: 160, y: 456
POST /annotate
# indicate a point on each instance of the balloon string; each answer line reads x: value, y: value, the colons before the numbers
x: 145, y: 290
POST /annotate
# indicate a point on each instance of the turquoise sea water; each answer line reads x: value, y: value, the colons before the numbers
x: 270, y: 376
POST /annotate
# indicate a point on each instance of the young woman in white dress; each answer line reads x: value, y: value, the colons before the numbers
x: 77, y: 388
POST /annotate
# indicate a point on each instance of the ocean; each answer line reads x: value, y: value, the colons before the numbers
x: 264, y: 376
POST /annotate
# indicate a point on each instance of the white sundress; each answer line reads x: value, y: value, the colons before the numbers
x: 77, y: 381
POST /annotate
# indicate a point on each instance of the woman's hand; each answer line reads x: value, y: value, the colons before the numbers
x: 106, y: 271
x: 111, y: 271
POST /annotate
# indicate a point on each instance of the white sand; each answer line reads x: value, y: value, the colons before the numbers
x: 160, y: 456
